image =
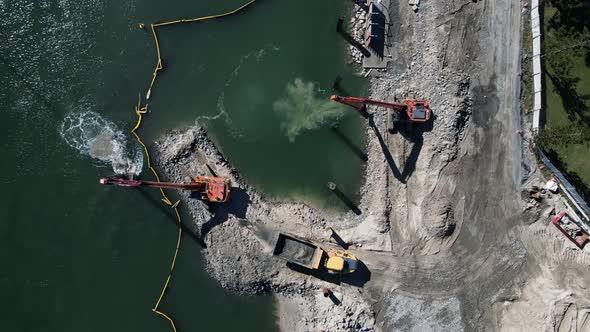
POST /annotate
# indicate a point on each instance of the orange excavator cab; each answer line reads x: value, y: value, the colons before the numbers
x: 216, y: 189
x: 417, y: 110
x: 212, y: 189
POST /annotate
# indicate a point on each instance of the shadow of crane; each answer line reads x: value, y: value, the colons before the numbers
x: 347, y: 201
x: 355, y: 149
x: 171, y: 216
x: 388, y: 157
x: 413, y: 132
x: 237, y: 205
x: 350, y: 39
x: 337, y: 86
x: 55, y: 109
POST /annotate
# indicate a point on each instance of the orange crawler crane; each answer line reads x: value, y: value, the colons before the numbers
x: 212, y: 189
x: 416, y: 110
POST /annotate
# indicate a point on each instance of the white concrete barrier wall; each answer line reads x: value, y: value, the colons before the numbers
x: 536, y: 68
x: 537, y: 101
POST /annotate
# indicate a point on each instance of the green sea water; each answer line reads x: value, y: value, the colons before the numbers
x: 80, y: 257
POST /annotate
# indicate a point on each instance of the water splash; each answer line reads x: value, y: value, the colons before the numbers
x: 301, y: 109
x: 100, y: 139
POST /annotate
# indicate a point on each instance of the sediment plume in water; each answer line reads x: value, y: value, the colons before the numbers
x: 251, y: 62
x: 302, y: 109
x: 100, y: 139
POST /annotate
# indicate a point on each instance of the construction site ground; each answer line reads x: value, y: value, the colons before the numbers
x: 447, y: 239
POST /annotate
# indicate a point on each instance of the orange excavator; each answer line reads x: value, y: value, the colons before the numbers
x: 212, y: 189
x: 416, y: 110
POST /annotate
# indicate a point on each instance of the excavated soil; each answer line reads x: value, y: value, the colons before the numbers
x: 446, y: 239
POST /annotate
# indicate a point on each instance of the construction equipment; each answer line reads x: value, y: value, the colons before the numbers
x: 308, y: 255
x: 212, y: 189
x: 570, y: 228
x: 416, y: 110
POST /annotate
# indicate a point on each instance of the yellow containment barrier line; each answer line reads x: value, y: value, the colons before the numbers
x: 168, y: 318
x: 173, y: 259
x: 155, y: 25
x: 139, y: 111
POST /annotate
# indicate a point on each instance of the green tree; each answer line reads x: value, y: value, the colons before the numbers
x: 563, y: 135
x: 571, y: 15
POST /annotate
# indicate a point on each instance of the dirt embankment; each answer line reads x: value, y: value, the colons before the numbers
x: 458, y: 224
x: 438, y: 61
x: 447, y: 241
x: 239, y: 238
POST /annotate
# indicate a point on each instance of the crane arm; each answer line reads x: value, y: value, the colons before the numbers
x: 212, y: 189
x: 197, y: 185
x: 358, y: 103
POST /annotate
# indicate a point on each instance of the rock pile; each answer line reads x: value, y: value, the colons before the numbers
x: 239, y: 237
x: 342, y: 312
x: 414, y: 4
x: 358, y: 26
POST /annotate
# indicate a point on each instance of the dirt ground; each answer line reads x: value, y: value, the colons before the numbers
x: 446, y: 239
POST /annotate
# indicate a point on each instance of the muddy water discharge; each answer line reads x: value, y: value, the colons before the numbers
x: 261, y: 81
x: 81, y: 257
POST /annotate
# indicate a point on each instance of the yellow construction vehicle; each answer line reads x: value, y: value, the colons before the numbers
x: 308, y: 255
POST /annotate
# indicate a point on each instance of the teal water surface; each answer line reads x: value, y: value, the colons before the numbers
x: 80, y: 257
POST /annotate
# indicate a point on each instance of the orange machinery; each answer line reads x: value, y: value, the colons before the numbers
x: 416, y: 110
x: 571, y: 229
x: 212, y: 189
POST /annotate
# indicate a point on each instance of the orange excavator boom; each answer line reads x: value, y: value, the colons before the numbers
x: 359, y: 103
x: 212, y: 189
x: 417, y: 110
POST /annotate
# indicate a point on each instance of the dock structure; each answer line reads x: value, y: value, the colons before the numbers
x: 377, y: 34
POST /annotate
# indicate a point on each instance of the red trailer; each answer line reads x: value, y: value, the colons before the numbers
x: 570, y: 228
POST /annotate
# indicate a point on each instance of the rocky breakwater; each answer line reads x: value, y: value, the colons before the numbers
x: 238, y: 238
x: 358, y: 27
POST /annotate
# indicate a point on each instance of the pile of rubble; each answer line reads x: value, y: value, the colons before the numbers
x: 342, y: 312
x: 238, y: 239
x: 358, y: 26
x: 414, y: 4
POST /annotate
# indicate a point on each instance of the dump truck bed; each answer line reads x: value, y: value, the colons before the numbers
x: 296, y: 250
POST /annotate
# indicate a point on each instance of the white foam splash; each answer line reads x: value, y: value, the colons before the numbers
x: 100, y: 139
